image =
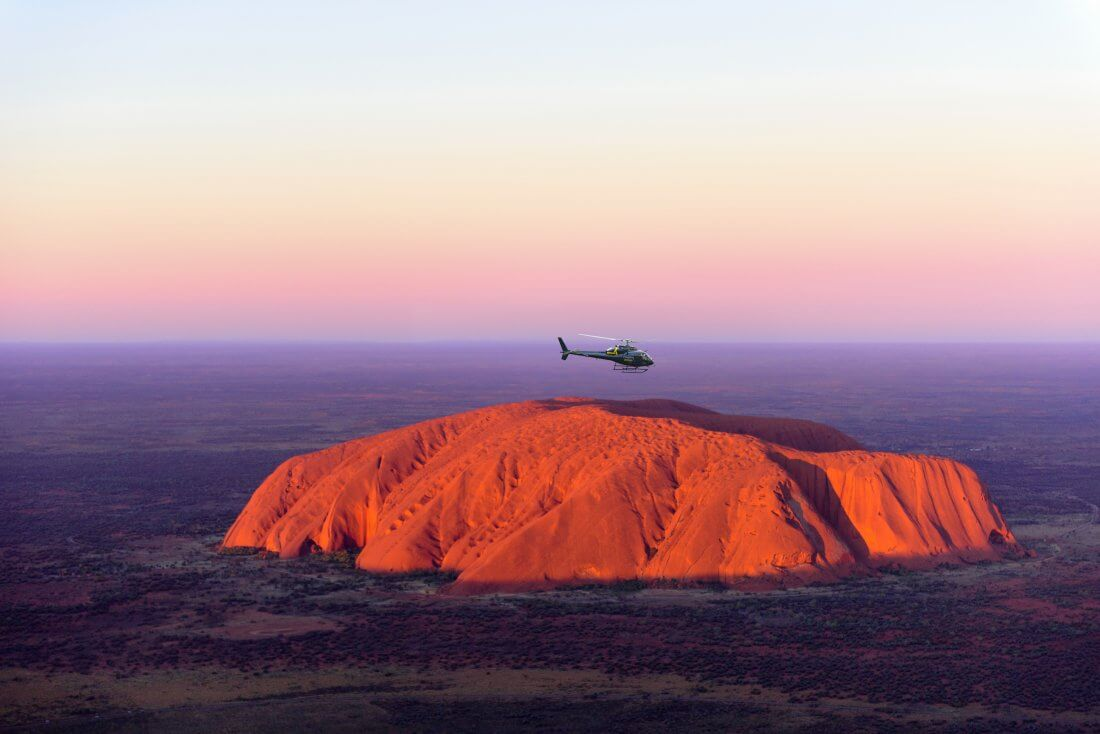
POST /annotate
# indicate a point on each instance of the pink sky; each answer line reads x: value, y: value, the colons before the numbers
x: 448, y: 178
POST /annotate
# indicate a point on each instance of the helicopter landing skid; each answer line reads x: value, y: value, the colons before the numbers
x: 631, y: 370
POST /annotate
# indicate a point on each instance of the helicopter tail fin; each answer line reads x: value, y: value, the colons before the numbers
x: 564, y: 349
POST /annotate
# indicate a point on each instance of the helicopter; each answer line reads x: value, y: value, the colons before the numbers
x: 625, y: 354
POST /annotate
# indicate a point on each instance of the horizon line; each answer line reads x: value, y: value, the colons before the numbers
x: 187, y: 341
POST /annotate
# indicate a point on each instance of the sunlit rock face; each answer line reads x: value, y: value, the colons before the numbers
x: 573, y: 491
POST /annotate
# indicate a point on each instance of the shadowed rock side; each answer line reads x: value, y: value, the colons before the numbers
x: 572, y: 491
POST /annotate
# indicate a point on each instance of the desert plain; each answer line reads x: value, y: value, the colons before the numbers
x: 124, y: 466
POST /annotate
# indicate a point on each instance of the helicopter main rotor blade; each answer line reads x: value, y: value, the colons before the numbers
x: 609, y: 338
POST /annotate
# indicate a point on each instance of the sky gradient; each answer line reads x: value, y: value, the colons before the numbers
x: 853, y: 171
